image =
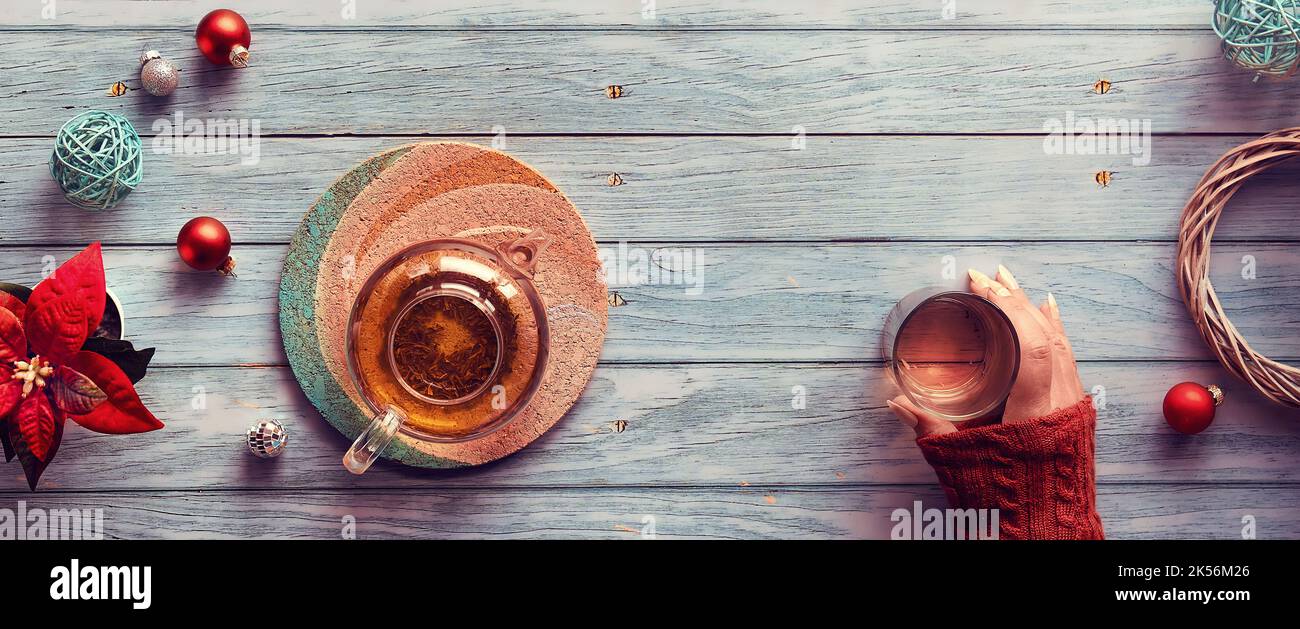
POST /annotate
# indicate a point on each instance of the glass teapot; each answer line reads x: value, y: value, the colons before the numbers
x: 447, y: 341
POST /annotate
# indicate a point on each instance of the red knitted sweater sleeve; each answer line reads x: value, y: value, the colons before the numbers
x: 1039, y: 473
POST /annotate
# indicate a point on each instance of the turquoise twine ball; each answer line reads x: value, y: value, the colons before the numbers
x: 97, y: 160
x: 1260, y: 35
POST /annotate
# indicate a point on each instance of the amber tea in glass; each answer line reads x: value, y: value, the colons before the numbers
x: 436, y: 351
x: 954, y: 354
x: 447, y: 342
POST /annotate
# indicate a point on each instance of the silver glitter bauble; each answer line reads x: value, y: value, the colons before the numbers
x: 158, y: 75
x: 267, y: 438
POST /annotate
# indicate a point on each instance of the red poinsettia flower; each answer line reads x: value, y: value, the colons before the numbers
x: 50, y: 377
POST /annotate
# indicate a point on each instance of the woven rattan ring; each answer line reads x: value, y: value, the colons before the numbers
x: 1277, y: 381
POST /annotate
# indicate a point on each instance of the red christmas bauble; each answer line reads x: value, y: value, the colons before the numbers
x: 204, y: 244
x: 223, y: 37
x: 1189, y: 407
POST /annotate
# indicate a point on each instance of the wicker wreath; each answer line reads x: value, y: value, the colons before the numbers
x: 1277, y: 381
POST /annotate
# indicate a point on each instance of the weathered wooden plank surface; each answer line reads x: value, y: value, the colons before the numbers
x: 686, y: 426
x: 703, y: 189
x: 394, y: 81
x: 638, y: 13
x: 1180, y: 512
x: 783, y: 302
x: 709, y: 450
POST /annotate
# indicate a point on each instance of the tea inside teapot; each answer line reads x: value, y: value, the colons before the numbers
x: 452, y: 334
x: 445, y: 348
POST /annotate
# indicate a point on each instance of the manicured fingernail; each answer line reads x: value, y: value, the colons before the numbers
x: 1007, y: 278
x: 1051, y: 301
x: 908, y: 418
x: 983, y: 281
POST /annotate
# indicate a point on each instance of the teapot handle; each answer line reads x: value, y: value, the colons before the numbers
x: 372, y: 441
x: 521, y: 254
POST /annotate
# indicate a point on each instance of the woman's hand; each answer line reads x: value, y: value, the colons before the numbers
x: 1037, y: 467
x: 1048, y: 378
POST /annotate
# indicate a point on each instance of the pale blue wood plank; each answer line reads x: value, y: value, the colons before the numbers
x: 624, y: 13
x: 782, y: 302
x: 1180, y: 512
x: 698, y: 82
x: 690, y: 425
x: 704, y: 189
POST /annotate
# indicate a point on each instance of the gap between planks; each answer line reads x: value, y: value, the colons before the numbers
x: 615, y: 29
x: 724, y: 243
x: 1186, y: 511
x: 686, y: 134
x: 381, y: 490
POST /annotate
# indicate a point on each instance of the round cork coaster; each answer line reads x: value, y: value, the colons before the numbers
x: 421, y: 192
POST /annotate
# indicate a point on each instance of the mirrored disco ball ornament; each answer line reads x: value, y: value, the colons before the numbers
x: 267, y: 438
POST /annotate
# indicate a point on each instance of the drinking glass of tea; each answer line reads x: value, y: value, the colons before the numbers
x: 954, y: 354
